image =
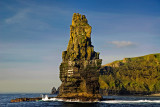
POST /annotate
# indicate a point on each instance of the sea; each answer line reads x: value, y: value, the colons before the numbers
x: 120, y: 101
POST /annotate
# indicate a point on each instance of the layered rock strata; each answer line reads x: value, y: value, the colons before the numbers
x: 79, y: 68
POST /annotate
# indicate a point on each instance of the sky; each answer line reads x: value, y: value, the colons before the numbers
x: 33, y: 34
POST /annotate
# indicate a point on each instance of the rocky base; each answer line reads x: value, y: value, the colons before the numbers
x: 25, y: 99
x: 71, y: 98
x: 80, y: 97
x: 157, y: 94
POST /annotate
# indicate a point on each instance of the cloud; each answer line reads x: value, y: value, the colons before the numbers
x: 120, y: 44
x: 21, y: 15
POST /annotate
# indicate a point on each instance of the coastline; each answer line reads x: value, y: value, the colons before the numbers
x: 120, y: 101
x: 80, y: 99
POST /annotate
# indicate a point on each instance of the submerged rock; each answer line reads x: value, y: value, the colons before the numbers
x: 79, y: 68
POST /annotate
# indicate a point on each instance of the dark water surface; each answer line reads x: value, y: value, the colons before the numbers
x: 120, y: 101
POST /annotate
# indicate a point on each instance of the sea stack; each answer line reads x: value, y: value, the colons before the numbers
x: 80, y: 64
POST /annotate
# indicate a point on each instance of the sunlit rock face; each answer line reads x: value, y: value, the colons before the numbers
x: 79, y: 68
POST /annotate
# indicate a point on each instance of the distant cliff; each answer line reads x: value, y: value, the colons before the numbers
x: 138, y: 75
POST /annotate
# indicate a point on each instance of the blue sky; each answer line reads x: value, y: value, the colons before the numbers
x: 33, y: 34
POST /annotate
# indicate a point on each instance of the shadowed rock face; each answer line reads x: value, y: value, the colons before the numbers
x: 79, y: 68
x: 53, y: 91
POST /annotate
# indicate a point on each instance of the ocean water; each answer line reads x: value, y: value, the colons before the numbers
x: 120, y: 101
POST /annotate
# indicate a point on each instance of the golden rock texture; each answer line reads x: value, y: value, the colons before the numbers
x: 79, y: 68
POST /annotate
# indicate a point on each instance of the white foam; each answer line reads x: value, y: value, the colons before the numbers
x: 50, y: 99
x: 57, y: 99
x: 79, y: 101
x: 45, y: 98
x: 131, y: 101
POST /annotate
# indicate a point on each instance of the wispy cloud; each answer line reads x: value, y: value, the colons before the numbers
x: 120, y: 44
x: 21, y: 15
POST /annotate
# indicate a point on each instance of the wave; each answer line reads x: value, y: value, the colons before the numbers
x: 109, y: 101
x: 57, y: 99
x: 45, y: 98
x: 50, y: 99
x: 131, y: 101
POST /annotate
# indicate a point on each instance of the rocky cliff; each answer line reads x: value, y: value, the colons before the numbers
x: 138, y: 75
x: 79, y: 68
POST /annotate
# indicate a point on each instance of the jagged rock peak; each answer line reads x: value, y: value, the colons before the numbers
x: 79, y: 19
x: 80, y: 46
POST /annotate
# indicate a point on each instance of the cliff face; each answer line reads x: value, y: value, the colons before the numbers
x: 79, y: 68
x: 138, y: 75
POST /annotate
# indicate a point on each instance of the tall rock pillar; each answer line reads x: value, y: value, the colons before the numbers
x: 79, y: 68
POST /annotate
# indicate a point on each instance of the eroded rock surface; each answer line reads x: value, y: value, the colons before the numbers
x: 25, y: 99
x: 79, y: 68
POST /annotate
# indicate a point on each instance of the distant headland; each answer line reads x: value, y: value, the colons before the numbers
x: 131, y: 76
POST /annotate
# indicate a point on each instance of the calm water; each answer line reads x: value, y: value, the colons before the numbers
x: 120, y: 101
